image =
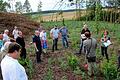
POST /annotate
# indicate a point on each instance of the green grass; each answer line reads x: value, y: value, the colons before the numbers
x: 75, y: 28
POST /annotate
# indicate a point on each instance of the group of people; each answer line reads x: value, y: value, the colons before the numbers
x: 12, y: 48
x: 5, y: 40
x: 88, y: 46
x: 40, y: 40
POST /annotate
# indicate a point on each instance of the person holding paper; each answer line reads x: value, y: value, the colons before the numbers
x: 105, y: 42
x: 83, y: 37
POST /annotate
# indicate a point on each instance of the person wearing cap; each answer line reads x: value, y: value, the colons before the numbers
x: 10, y: 67
x: 64, y: 34
x: 37, y: 45
x: 5, y: 35
x: 15, y: 32
x: 55, y: 34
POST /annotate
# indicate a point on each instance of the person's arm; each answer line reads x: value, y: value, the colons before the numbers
x: 35, y: 46
x: 59, y: 34
x: 51, y: 34
x: 34, y: 42
x: 13, y: 32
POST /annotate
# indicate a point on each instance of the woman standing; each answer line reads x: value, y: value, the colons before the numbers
x: 43, y: 37
x: 105, y: 38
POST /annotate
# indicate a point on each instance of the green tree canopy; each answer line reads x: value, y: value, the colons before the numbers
x: 3, y: 6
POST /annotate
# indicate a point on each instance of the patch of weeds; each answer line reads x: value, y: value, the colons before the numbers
x: 51, y: 61
x: 30, y: 49
x: 49, y: 75
x: 72, y: 61
x: 27, y: 63
x: 77, y: 71
x: 64, y: 78
x: 109, y: 69
x: 63, y: 63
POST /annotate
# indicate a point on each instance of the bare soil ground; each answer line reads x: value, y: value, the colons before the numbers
x: 9, y: 20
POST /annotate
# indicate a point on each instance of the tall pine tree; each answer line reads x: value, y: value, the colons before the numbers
x: 39, y: 6
x: 19, y: 7
x: 27, y: 7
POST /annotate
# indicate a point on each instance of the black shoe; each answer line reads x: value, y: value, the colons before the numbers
x: 39, y: 61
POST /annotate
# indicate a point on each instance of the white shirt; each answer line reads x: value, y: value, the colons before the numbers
x: 5, y: 37
x: 43, y: 36
x: 55, y: 33
x: 15, y: 33
x: 12, y: 70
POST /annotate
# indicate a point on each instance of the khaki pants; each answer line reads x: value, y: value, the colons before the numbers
x: 92, y: 68
x: 2, y: 54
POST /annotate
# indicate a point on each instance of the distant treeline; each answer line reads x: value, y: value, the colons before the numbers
x: 50, y: 11
x: 107, y: 14
x: 110, y: 16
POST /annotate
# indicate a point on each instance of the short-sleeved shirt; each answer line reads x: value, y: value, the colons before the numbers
x: 90, y: 47
x: 15, y: 33
x: 5, y: 37
x: 64, y: 31
x: 43, y: 36
x: 12, y: 69
x: 54, y: 32
x: 36, y: 39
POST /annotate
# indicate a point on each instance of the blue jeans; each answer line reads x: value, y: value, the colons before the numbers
x: 65, y: 41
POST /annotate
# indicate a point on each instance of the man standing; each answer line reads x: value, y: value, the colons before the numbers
x: 37, y: 45
x: 90, y: 45
x: 21, y: 42
x: 54, y: 33
x: 64, y: 33
x: 11, y: 68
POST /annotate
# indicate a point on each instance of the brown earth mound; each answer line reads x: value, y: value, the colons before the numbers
x: 9, y: 20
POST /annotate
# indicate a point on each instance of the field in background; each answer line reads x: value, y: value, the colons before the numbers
x: 65, y: 15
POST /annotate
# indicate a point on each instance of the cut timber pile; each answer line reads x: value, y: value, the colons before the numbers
x: 9, y: 20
